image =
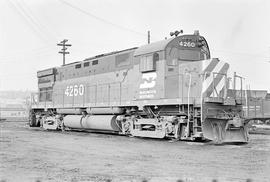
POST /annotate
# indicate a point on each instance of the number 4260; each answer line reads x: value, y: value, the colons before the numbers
x: 74, y: 90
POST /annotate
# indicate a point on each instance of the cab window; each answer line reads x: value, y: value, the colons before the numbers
x: 172, y: 57
x: 122, y: 60
x: 148, y: 62
x: 175, y: 55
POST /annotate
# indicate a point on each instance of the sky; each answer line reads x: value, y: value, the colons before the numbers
x: 237, y: 31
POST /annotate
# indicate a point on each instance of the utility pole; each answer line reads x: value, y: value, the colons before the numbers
x: 148, y: 37
x: 63, y: 50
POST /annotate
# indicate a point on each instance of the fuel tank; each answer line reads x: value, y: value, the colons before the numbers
x: 92, y: 122
x: 105, y: 110
x: 70, y: 111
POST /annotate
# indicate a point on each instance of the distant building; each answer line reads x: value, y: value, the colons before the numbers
x: 14, y: 105
x: 13, y: 112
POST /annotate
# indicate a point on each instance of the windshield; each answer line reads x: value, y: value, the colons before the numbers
x: 187, y: 48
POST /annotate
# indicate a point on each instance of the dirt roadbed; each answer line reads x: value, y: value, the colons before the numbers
x: 32, y: 154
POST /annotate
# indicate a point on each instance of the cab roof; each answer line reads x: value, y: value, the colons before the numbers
x: 152, y: 47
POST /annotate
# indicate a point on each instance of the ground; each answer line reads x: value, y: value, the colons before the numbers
x: 32, y: 154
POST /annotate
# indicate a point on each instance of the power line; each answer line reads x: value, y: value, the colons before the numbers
x: 101, y: 19
x: 18, y: 57
x: 30, y: 20
x: 22, y: 15
x: 42, y: 26
x: 47, y: 46
x: 27, y: 12
x: 241, y: 53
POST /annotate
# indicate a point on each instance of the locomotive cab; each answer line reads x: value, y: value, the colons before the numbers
x: 187, y: 48
x: 178, y: 78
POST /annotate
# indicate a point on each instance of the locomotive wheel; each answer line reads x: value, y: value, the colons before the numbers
x: 32, y: 119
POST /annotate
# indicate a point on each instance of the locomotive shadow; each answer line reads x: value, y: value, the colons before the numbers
x: 106, y: 134
x: 226, y: 143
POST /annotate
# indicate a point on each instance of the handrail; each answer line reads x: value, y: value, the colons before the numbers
x: 225, y: 84
x: 241, y: 85
x: 189, y: 85
x: 204, y: 77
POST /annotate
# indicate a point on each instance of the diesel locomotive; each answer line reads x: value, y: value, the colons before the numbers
x: 166, y: 89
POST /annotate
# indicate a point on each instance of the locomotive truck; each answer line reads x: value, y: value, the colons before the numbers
x: 166, y: 89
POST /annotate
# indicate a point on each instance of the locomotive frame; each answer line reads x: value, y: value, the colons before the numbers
x: 167, y: 89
